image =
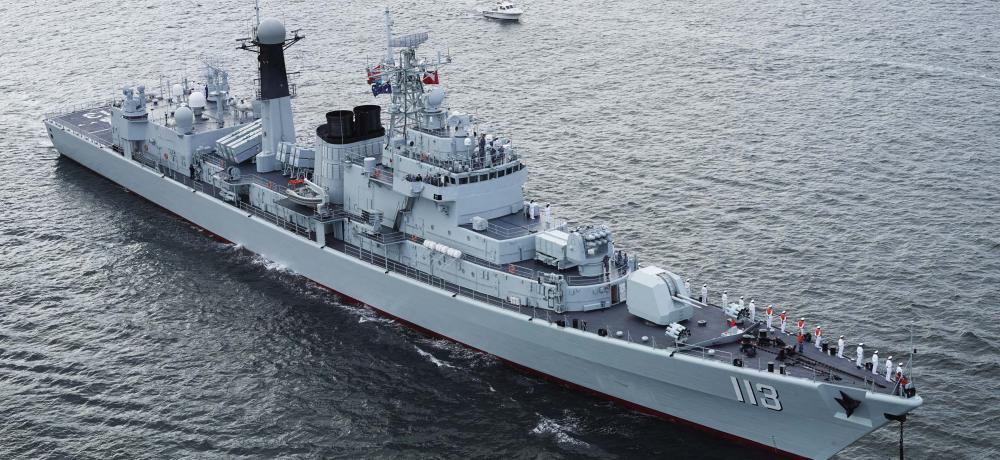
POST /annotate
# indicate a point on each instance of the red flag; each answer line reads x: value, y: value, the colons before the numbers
x: 431, y: 78
x: 374, y: 74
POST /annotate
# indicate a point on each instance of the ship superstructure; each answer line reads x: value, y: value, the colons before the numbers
x: 427, y: 221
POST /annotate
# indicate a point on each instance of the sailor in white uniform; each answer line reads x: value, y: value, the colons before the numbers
x: 875, y: 362
x: 725, y: 299
x: 861, y: 356
x: 899, y: 369
x: 532, y: 210
x: 840, y: 347
x: 704, y: 294
x: 741, y: 302
x: 753, y: 311
x: 547, y: 216
x: 888, y: 368
x: 687, y: 285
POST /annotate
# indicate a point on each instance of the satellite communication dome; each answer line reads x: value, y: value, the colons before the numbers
x: 184, y: 118
x: 197, y: 100
x: 270, y: 31
x: 435, y: 98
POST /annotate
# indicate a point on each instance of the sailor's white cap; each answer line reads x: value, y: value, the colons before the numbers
x: 841, y: 336
x: 890, y: 357
x: 861, y: 344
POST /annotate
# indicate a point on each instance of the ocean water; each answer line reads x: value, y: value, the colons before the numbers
x: 837, y: 159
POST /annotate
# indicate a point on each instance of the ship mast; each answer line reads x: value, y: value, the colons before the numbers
x: 406, y: 79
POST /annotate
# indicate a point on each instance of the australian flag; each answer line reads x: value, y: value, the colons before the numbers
x: 381, y: 88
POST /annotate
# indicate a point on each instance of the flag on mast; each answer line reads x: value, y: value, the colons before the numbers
x: 374, y: 74
x: 431, y: 78
x: 381, y: 88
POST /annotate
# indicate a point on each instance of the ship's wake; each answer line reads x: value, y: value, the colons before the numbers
x: 561, y: 431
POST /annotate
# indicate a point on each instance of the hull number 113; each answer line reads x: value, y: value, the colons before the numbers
x: 756, y: 394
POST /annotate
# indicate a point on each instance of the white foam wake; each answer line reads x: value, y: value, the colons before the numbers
x: 431, y: 358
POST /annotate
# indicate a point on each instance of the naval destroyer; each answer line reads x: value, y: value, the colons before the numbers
x: 426, y: 221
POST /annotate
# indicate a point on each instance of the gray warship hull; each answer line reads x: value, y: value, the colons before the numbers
x: 706, y: 393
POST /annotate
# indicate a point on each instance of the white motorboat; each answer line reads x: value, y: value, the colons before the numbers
x: 504, y: 11
x: 304, y: 192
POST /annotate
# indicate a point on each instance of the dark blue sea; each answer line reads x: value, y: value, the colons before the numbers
x: 838, y: 159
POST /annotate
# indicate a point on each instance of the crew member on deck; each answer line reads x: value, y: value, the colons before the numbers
x: 769, y: 310
x: 725, y: 299
x: 532, y: 210
x: 704, y: 294
x: 819, y: 336
x: 801, y: 339
x: 875, y: 362
x: 840, y: 347
x: 548, y: 215
x: 687, y: 285
x: 888, y: 368
x: 753, y: 311
x: 741, y: 302
x: 802, y: 325
x: 783, y: 316
x: 861, y: 356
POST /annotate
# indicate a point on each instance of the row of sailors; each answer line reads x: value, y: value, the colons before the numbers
x: 801, y: 324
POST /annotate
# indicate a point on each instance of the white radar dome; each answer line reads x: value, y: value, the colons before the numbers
x: 184, y: 118
x: 270, y: 32
x: 435, y: 97
x: 197, y: 100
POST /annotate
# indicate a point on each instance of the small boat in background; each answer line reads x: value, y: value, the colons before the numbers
x: 504, y: 11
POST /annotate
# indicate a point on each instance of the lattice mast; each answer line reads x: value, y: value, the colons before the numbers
x: 407, y: 77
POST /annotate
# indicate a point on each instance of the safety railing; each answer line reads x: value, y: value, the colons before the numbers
x: 385, y: 238
x: 382, y: 174
x: 705, y: 353
x: 80, y: 106
x: 263, y: 182
x: 275, y: 219
x: 512, y: 231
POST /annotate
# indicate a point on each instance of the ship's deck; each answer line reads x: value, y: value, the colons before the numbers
x: 509, y: 226
x: 812, y: 363
x: 94, y: 123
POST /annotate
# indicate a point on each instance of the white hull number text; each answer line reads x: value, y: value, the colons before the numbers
x: 768, y: 395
